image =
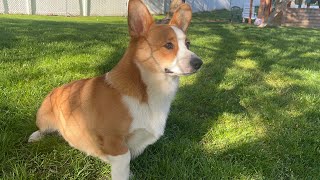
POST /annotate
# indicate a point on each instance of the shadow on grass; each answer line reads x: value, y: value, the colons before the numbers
x: 28, y: 47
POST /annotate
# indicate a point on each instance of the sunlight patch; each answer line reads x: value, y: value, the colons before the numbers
x: 278, y: 80
x: 206, y: 39
x: 294, y: 112
x: 186, y: 81
x: 226, y: 86
x: 234, y: 77
x: 247, y: 42
x: 243, y: 53
x: 246, y: 64
x: 274, y: 53
x: 311, y: 54
x: 232, y: 130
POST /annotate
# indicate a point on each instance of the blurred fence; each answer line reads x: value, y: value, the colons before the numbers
x: 103, y: 7
x: 65, y: 7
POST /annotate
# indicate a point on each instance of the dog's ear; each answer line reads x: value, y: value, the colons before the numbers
x: 139, y: 18
x: 182, y: 17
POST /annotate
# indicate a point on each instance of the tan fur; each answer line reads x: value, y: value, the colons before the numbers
x: 89, y: 113
x: 182, y: 17
x: 152, y: 54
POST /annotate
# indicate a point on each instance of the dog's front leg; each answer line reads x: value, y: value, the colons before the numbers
x: 120, y: 166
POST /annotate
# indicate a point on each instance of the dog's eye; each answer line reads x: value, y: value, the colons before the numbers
x: 188, y: 44
x: 169, y: 45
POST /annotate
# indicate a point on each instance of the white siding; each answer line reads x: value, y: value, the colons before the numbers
x: 105, y: 7
x: 240, y: 3
x: 74, y: 7
x: 157, y: 7
x: 50, y: 7
x: 2, y: 7
x: 161, y: 6
x: 13, y: 6
x: 208, y: 5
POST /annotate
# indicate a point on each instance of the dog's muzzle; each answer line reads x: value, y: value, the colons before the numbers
x: 185, y: 67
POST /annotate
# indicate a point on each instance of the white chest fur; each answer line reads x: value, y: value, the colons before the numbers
x: 149, y: 119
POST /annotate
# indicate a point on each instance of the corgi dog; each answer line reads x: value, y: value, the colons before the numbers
x: 117, y: 115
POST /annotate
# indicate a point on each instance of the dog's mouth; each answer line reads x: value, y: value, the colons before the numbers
x: 169, y: 72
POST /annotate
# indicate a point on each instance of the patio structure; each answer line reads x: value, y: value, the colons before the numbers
x: 287, y: 15
x: 302, y: 17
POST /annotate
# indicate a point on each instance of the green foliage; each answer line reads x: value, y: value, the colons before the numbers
x: 252, y: 112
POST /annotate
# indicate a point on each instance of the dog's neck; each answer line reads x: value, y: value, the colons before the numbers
x: 126, y: 78
x: 130, y: 79
x: 159, y: 84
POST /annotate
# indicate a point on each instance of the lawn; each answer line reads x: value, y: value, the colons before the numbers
x: 252, y: 112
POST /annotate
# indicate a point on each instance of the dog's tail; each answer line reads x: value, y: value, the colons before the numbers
x: 46, y: 120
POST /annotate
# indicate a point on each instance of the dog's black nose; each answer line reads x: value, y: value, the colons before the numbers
x: 196, y: 62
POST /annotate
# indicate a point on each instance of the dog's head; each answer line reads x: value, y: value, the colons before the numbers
x: 162, y: 48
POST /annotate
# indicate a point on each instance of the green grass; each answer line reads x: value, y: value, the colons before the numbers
x: 252, y: 112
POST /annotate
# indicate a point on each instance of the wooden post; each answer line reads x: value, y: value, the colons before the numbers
x: 250, y: 14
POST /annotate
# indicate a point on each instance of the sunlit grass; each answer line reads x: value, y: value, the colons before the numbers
x: 252, y: 112
x: 232, y: 130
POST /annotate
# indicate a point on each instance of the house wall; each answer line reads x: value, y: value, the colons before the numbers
x: 161, y: 6
x: 107, y: 7
x: 240, y: 3
x: 208, y: 5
